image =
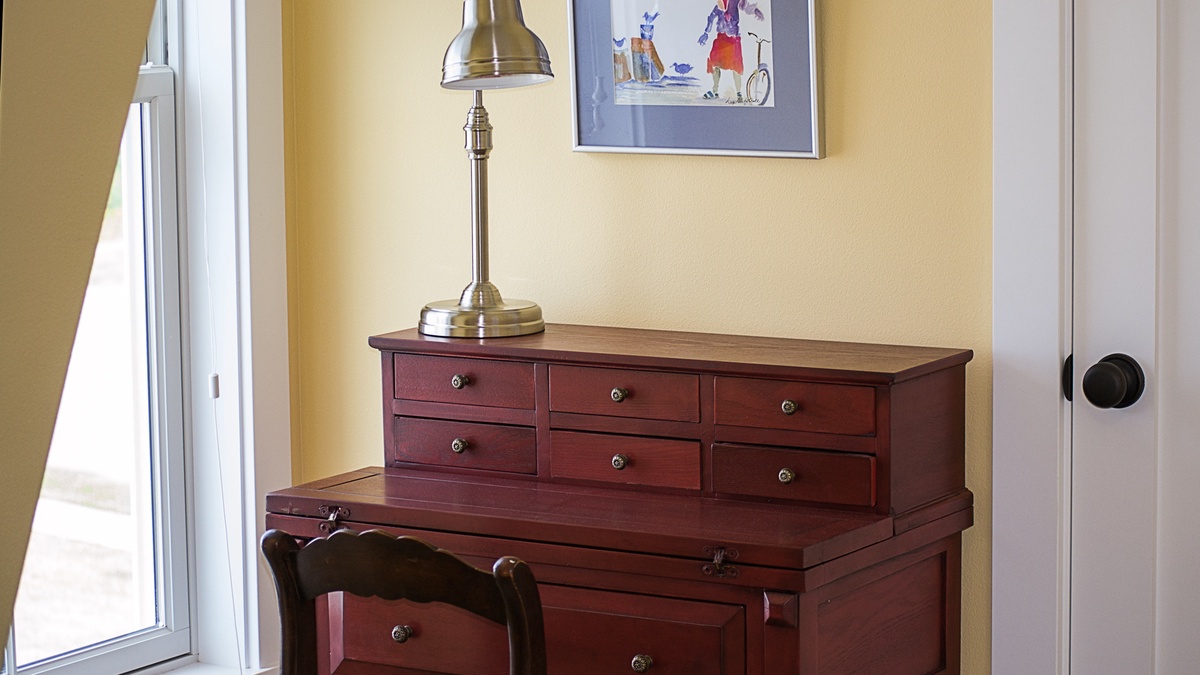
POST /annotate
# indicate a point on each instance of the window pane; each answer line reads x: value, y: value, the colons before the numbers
x: 90, y: 572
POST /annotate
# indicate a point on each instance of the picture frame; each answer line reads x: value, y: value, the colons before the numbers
x: 645, y: 79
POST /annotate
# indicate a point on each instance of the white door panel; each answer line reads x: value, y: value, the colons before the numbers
x: 1133, y: 547
x: 1178, y: 642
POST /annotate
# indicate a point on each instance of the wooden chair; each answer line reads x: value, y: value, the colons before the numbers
x: 377, y: 563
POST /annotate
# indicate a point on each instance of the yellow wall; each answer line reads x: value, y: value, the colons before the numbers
x: 888, y: 239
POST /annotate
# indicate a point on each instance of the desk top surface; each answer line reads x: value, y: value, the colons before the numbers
x: 679, y: 525
x: 601, y: 345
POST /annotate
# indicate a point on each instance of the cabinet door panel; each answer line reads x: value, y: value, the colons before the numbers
x: 896, y: 624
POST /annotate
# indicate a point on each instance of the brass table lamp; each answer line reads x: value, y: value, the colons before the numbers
x: 494, y: 50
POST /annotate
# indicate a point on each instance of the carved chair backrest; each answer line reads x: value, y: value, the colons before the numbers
x: 375, y: 563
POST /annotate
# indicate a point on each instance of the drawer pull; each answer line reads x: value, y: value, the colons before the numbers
x: 789, y: 406
x: 619, y: 394
x: 401, y: 633
x: 620, y: 461
x: 786, y: 476
x: 459, y: 381
x: 641, y: 663
x: 459, y: 445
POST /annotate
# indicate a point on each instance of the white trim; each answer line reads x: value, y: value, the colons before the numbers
x: 156, y: 41
x: 231, y: 96
x: 189, y: 666
x: 265, y: 300
x: 166, y: 291
x: 1032, y: 73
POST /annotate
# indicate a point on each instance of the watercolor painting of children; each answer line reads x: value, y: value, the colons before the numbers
x: 658, y: 59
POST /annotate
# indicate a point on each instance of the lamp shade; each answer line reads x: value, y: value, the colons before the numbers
x: 494, y: 49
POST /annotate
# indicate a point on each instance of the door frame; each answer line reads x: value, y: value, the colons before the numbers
x: 1031, y: 335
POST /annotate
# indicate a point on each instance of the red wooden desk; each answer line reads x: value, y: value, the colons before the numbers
x: 689, y: 503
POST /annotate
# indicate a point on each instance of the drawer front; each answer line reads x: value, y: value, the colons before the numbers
x: 441, y: 379
x: 823, y: 408
x: 642, y: 394
x: 643, y: 461
x: 830, y: 477
x: 592, y: 632
x: 469, y: 445
x: 445, y: 639
x: 588, y: 632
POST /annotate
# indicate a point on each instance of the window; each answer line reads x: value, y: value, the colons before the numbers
x: 105, y: 583
x: 233, y: 242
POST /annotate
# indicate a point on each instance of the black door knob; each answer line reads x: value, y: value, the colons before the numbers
x: 1117, y: 381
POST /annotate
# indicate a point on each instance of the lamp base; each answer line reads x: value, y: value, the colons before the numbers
x: 507, y: 318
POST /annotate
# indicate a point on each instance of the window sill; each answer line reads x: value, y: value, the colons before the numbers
x: 189, y: 666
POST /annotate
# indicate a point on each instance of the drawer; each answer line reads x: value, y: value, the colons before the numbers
x: 441, y: 379
x: 656, y: 462
x: 807, y: 475
x: 588, y: 632
x: 824, y: 408
x: 591, y: 632
x: 445, y: 639
x: 642, y: 394
x: 494, y: 447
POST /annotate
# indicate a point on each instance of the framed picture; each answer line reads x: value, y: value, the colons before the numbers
x: 702, y: 77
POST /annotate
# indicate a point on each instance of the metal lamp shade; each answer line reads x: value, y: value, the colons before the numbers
x: 494, y: 49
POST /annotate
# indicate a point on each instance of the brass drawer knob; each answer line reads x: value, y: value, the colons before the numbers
x: 459, y: 381
x: 786, y: 476
x: 620, y: 461
x: 459, y: 445
x: 401, y: 633
x: 620, y: 394
x: 789, y: 407
x: 641, y: 663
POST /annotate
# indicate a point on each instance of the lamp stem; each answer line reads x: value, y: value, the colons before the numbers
x: 479, y: 146
x: 480, y: 312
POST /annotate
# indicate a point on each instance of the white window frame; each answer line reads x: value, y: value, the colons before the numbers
x: 228, y: 86
x: 228, y: 58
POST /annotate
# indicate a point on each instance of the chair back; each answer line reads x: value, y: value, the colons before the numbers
x: 375, y: 563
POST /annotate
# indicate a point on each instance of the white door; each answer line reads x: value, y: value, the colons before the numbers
x: 1134, y: 545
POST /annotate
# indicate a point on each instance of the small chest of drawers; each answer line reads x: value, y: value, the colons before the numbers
x: 689, y: 503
